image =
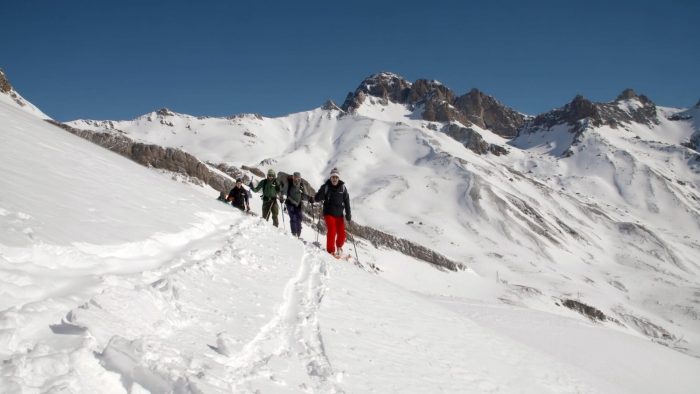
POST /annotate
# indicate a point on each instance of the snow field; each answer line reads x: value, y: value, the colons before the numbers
x: 114, y: 278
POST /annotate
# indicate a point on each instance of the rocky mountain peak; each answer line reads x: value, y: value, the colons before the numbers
x: 580, y: 108
x: 330, y: 105
x: 697, y: 105
x: 385, y: 85
x: 165, y: 112
x: 438, y: 102
x: 581, y: 114
x: 5, y: 86
x: 626, y: 95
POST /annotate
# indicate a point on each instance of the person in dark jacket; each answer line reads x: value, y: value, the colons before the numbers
x: 239, y: 196
x: 294, y: 203
x: 335, y: 199
x: 270, y: 188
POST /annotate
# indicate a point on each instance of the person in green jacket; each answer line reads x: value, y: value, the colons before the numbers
x: 270, y: 188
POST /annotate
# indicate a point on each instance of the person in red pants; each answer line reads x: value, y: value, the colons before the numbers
x: 335, y: 199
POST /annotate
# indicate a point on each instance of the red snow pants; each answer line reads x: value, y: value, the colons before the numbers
x: 336, y: 227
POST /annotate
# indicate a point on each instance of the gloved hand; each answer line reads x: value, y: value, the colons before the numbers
x: 311, y: 200
x: 348, y: 217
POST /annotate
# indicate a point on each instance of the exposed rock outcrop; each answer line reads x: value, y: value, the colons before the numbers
x: 437, y: 101
x: 626, y: 95
x: 152, y: 155
x: 472, y: 140
x: 380, y: 239
x: 581, y: 114
x: 697, y: 105
x: 386, y: 86
x: 330, y: 105
x: 255, y: 171
x: 488, y: 113
x: 233, y: 172
x: 588, y: 311
x: 423, y: 90
x: 5, y: 86
x: 165, y: 112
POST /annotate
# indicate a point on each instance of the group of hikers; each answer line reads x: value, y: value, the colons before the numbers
x: 333, y: 194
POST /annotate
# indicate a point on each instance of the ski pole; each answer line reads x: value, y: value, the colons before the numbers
x: 352, y: 237
x: 282, y: 209
x: 318, y: 224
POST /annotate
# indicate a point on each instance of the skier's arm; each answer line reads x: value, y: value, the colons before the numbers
x: 256, y: 188
x: 320, y: 194
x: 346, y: 202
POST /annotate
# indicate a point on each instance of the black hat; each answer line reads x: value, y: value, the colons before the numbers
x: 239, y: 180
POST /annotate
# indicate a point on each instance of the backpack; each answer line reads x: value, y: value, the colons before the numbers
x: 290, y: 180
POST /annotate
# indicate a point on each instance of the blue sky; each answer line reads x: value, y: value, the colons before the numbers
x: 119, y: 60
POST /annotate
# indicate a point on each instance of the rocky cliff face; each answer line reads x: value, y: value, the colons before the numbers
x: 697, y: 105
x: 472, y: 140
x: 488, y: 113
x: 438, y: 103
x: 581, y: 113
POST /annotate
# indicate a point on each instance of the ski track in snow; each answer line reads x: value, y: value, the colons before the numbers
x: 293, y: 333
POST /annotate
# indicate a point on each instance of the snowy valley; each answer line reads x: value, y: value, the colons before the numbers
x: 576, y: 232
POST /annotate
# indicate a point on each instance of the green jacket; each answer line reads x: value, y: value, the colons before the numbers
x: 270, y: 189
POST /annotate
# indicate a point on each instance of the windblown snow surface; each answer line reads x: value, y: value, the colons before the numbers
x: 116, y: 279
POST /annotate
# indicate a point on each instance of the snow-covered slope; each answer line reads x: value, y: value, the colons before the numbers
x: 117, y: 279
